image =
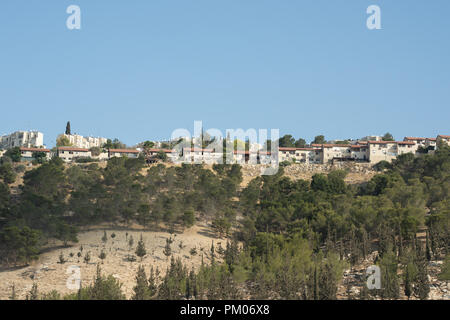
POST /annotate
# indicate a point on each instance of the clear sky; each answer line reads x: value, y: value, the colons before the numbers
x: 139, y: 69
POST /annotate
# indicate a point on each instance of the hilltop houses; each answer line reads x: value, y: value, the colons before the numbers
x: 370, y: 149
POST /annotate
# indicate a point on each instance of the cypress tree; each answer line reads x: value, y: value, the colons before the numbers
x: 408, y: 287
x: 422, y: 287
x: 389, y: 277
x: 427, y: 248
x: 316, y: 284
x: 213, y: 254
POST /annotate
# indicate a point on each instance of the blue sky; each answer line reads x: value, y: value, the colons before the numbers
x: 139, y: 69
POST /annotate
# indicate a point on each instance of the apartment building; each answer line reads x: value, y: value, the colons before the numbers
x: 409, y: 146
x: 382, y: 151
x: 334, y: 152
x: 301, y: 155
x: 27, y: 153
x: 69, y: 154
x: 27, y: 139
x: 84, y: 142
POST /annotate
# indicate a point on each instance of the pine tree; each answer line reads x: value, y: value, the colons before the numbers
x: 62, y: 260
x: 327, y: 283
x: 389, y: 277
x: 167, y: 249
x: 364, y: 291
x: 13, y: 295
x: 68, y: 128
x: 102, y: 255
x: 152, y: 287
x: 87, y: 258
x: 193, y: 291
x: 131, y: 242
x: 140, y: 249
x: 33, y: 294
x: 105, y: 237
x: 348, y: 290
x: 141, y: 290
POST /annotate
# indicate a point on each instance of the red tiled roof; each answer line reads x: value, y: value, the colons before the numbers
x: 406, y: 142
x: 123, y: 151
x: 73, y: 149
x: 34, y: 149
x: 431, y: 139
x: 443, y: 136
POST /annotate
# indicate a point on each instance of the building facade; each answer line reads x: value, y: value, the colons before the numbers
x: 27, y: 154
x: 129, y: 153
x: 443, y: 139
x: 69, y: 154
x: 82, y: 142
x: 27, y: 139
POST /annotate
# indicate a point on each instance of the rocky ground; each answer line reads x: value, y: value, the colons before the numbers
x: 357, y: 172
x: 49, y: 274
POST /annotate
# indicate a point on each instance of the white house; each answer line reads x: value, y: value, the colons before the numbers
x: 69, y: 154
x: 129, y: 153
x: 382, y: 151
x: 196, y: 155
x: 443, y: 139
x: 27, y: 153
x: 302, y: 155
